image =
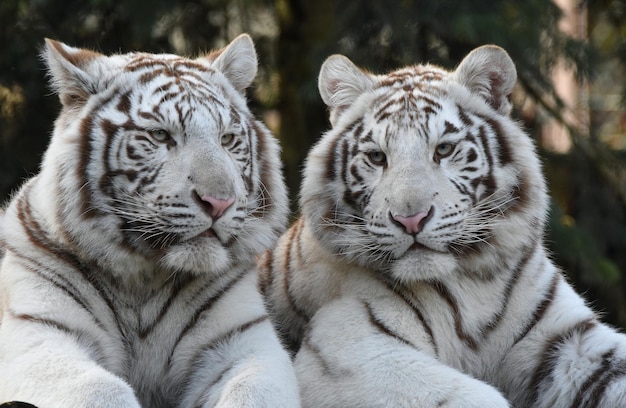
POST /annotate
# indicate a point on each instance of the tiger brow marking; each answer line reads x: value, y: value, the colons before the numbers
x: 549, y: 357
x: 382, y: 113
x: 432, y: 104
x: 467, y: 121
x: 450, y: 128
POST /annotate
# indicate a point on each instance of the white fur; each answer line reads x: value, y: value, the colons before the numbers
x: 468, y: 312
x: 94, y: 311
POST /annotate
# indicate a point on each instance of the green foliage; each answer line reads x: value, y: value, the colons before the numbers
x: 575, y: 246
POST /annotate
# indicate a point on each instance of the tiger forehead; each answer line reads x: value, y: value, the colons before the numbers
x: 411, y: 91
x: 167, y: 65
x: 416, y: 76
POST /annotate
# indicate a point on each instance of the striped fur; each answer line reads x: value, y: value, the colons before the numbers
x: 416, y: 275
x: 129, y: 275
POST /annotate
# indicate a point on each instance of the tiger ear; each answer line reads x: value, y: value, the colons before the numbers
x: 340, y: 83
x: 68, y: 68
x: 489, y: 72
x: 237, y: 61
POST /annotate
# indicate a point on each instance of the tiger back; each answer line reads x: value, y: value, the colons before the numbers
x: 128, y: 277
x: 416, y: 275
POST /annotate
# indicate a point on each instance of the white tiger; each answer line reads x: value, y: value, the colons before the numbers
x: 416, y: 275
x: 129, y: 275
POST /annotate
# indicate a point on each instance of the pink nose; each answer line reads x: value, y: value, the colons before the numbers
x: 414, y: 223
x: 216, y: 206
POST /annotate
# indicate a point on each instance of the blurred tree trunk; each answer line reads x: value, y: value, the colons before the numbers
x: 305, y: 28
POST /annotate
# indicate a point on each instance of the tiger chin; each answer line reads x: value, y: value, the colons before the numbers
x: 416, y: 275
x: 128, y: 276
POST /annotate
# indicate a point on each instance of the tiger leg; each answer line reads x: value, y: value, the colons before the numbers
x: 245, y: 366
x: 49, y: 368
x: 583, y: 365
x: 347, y: 361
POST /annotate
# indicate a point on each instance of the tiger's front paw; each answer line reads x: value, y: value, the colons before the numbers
x: 474, y: 394
x: 93, y: 388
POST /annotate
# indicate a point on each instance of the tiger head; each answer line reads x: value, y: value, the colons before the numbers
x: 424, y: 173
x: 157, y: 160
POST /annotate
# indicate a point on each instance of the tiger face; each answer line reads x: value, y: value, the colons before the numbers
x: 423, y: 168
x: 161, y: 160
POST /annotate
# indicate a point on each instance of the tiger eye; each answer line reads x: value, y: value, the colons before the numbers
x: 378, y: 158
x: 227, y: 139
x: 160, y: 135
x: 444, y: 149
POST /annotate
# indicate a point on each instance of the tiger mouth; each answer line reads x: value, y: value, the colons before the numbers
x: 417, y: 246
x: 209, y: 233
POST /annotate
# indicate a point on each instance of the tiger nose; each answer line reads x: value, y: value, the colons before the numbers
x: 213, y: 206
x: 414, y: 223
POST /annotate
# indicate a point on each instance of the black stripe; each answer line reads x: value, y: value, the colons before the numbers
x: 380, y: 325
x: 540, y: 310
x: 207, y: 305
x: 593, y: 379
x: 82, y: 337
x: 445, y: 294
x: 615, y: 370
x: 39, y: 237
x: 508, y: 290
x: 197, y: 360
x: 317, y: 353
x: 293, y: 239
x: 60, y: 282
x: 178, y: 287
x: 505, y: 154
x: 266, y: 274
x: 418, y: 313
x: 487, y: 180
x: 547, y: 362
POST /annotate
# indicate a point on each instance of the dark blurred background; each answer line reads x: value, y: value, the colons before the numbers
x: 570, y: 94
